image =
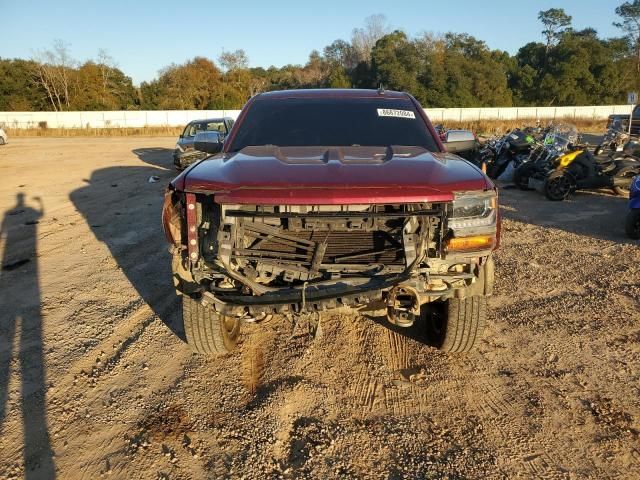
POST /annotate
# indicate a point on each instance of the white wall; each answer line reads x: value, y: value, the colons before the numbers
x: 514, y: 113
x: 126, y: 118
x: 160, y: 118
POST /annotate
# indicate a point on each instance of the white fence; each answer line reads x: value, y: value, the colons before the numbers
x: 114, y: 119
x: 161, y: 118
x: 515, y: 113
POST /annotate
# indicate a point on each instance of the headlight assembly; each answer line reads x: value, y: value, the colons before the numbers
x: 472, y: 212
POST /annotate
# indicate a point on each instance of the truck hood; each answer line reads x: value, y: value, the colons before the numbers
x: 273, y: 175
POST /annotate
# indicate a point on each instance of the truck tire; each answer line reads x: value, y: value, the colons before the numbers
x: 207, y: 331
x: 458, y: 326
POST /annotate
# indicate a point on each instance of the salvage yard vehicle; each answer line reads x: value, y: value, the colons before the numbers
x: 3, y: 137
x: 184, y: 154
x: 320, y: 199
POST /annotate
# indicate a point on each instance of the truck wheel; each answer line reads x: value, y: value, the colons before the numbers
x: 208, y: 332
x: 458, y: 326
x: 632, y: 224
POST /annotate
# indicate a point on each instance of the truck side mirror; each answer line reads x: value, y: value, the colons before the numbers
x: 460, y: 141
x: 208, y: 142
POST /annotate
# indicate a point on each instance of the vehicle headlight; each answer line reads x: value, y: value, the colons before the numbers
x: 472, y: 212
x: 473, y: 221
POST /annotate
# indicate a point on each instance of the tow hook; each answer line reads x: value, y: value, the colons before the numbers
x: 403, y: 306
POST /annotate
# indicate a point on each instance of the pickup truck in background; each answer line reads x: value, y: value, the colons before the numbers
x: 320, y: 199
x: 624, y: 121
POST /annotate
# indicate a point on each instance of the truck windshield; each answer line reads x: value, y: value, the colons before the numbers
x: 333, y: 122
x: 207, y: 126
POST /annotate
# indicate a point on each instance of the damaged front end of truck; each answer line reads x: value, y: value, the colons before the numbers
x: 249, y: 261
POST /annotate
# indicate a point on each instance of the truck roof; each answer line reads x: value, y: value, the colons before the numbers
x: 332, y: 93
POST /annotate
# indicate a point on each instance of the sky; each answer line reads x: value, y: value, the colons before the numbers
x: 144, y: 36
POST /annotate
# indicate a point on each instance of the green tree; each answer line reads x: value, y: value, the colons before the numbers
x: 555, y: 21
x: 102, y: 87
x: 629, y: 13
x: 396, y: 64
x: 196, y: 84
x: 237, y: 86
x: 580, y: 69
x: 18, y: 91
x: 476, y: 77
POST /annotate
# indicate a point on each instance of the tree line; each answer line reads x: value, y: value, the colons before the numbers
x: 569, y: 67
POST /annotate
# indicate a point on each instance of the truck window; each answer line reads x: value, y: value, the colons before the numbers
x: 333, y: 122
x: 193, y: 128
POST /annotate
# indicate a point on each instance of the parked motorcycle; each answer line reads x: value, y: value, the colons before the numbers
x: 560, y: 140
x: 512, y: 147
x: 614, y: 140
x: 584, y: 171
x: 632, y: 223
x: 630, y: 150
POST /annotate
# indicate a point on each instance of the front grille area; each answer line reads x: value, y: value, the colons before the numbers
x: 353, y: 247
x: 296, y: 244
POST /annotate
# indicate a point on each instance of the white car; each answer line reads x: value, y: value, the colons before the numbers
x: 3, y: 137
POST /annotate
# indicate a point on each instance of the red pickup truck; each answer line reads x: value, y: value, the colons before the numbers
x: 321, y: 199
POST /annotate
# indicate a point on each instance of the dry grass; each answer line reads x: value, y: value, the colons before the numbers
x: 482, y: 127
x: 94, y: 132
x: 491, y: 127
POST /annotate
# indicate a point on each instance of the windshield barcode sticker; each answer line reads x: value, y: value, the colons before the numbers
x: 389, y: 112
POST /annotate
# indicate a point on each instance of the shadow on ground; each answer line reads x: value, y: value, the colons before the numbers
x: 21, y: 342
x: 122, y: 205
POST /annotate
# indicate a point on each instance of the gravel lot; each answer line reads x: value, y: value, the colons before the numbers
x: 96, y: 382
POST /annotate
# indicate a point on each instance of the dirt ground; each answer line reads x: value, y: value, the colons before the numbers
x: 95, y: 380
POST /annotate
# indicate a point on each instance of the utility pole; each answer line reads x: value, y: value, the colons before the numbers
x: 632, y: 99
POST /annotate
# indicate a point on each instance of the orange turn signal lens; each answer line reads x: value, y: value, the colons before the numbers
x: 470, y: 244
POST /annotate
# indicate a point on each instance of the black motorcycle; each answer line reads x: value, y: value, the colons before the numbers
x: 613, y: 141
x: 587, y: 171
x: 558, y: 141
x: 513, y: 147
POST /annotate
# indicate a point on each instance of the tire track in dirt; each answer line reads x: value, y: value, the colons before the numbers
x: 397, y: 351
x: 366, y: 390
x: 502, y: 403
